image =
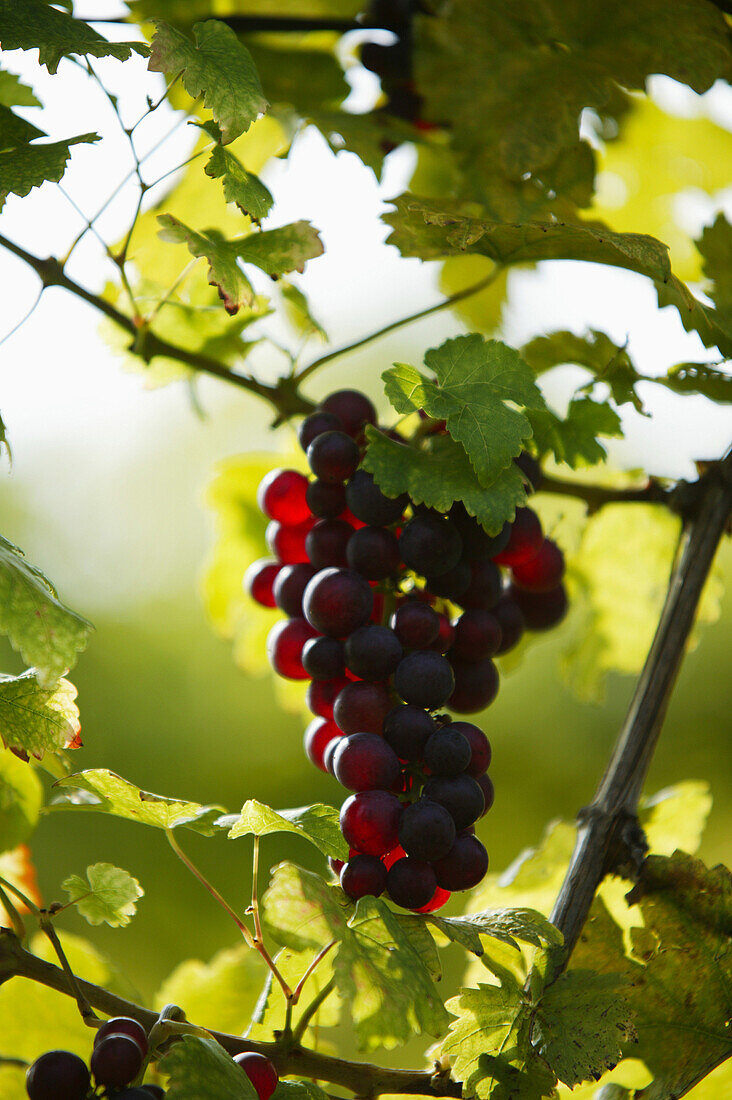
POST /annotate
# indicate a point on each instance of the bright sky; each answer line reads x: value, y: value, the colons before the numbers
x: 74, y: 417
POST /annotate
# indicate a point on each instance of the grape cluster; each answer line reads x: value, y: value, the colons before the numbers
x: 367, y: 583
x: 120, y: 1048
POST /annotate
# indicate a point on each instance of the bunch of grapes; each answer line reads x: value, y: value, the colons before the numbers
x: 120, y: 1048
x: 367, y: 583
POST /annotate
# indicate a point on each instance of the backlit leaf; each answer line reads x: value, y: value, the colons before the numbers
x: 507, y: 925
x: 318, y: 823
x: 26, y: 167
x: 241, y: 187
x: 224, y: 272
x: 608, y: 362
x: 108, y: 895
x: 56, y: 34
x: 199, y: 1069
x: 35, y: 719
x: 573, y: 440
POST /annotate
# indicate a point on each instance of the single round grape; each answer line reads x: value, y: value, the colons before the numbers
x: 512, y: 622
x: 323, y: 658
x: 260, y: 1072
x: 123, y: 1025
x: 407, y: 729
x: 363, y: 876
x: 525, y: 541
x: 430, y: 544
x: 425, y: 679
x: 337, y: 602
x: 259, y: 581
x: 370, y: 821
x: 461, y: 796
x: 285, y: 643
x: 326, y: 499
x: 326, y: 543
x: 486, y: 785
x: 373, y: 652
x: 366, y: 500
x: 287, y: 541
x: 476, y: 685
x: 362, y: 706
x: 531, y: 468
x: 58, y: 1075
x: 315, y: 424
x: 477, y: 635
x: 542, y: 572
x: 541, y: 610
x: 480, y: 748
x: 289, y: 587
x: 426, y: 830
x: 411, y: 883
x: 116, y: 1060
x: 317, y: 739
x: 438, y: 899
x: 453, y: 584
x: 445, y: 636
x: 352, y: 408
x: 477, y: 543
x: 281, y: 496
x: 365, y: 762
x: 333, y: 457
x: 484, y: 589
x: 322, y: 694
x: 447, y: 752
x: 374, y: 553
x: 464, y: 866
x: 415, y: 624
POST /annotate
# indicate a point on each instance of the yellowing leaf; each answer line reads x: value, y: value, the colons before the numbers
x: 107, y: 896
x: 35, y: 719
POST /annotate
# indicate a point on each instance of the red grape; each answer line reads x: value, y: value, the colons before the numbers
x: 281, y: 496
x: 285, y: 643
x: 259, y: 581
x: 370, y: 821
x: 260, y: 1072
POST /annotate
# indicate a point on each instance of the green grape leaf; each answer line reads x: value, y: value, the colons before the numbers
x: 581, y: 1025
x: 28, y: 166
x: 224, y: 272
x: 370, y: 136
x: 199, y: 1069
x: 679, y: 974
x: 573, y: 440
x: 15, y: 130
x: 218, y: 67
x: 608, y: 362
x: 713, y: 330
x: 36, y: 719
x: 298, y: 312
x: 222, y: 993
x: 280, y: 251
x: 441, y: 475
x: 318, y: 823
x: 110, y: 794
x: 715, y: 246
x: 55, y: 34
x: 699, y: 378
x: 14, y: 93
x: 21, y: 798
x: 383, y: 963
x: 241, y: 187
x: 47, y: 634
x: 507, y: 925
x: 108, y: 895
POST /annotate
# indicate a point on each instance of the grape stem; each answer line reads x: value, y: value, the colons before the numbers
x: 86, y: 1011
x: 609, y: 837
x: 313, y: 966
x: 312, y: 1008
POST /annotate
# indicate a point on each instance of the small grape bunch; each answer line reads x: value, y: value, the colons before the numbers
x: 369, y: 584
x: 120, y: 1048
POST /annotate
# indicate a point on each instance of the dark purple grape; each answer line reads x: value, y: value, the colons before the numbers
x: 373, y: 652
x: 337, y: 602
x: 480, y: 748
x: 362, y: 706
x: 484, y: 589
x: 486, y: 785
x: 323, y: 658
x: 453, y: 584
x: 447, y: 752
x: 58, y: 1075
x: 477, y: 543
x: 329, y: 752
x: 116, y: 1060
x: 416, y: 624
x: 512, y: 622
x: 374, y: 553
x: 411, y: 883
x: 525, y: 541
x: 426, y: 830
x: 407, y: 729
x: 326, y: 543
x: 461, y: 796
x: 367, y: 502
x: 289, y: 587
x: 140, y: 1092
x: 430, y: 544
x: 476, y: 685
x: 315, y: 424
x: 464, y: 866
x: 365, y: 762
x: 352, y: 408
x: 333, y: 457
x: 425, y: 679
x: 363, y: 876
x: 370, y: 821
x: 326, y: 499
x: 477, y: 635
x: 541, y: 610
x: 123, y: 1025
